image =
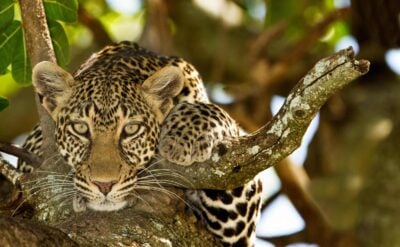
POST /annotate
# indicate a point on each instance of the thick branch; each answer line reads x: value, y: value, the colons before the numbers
x: 40, y: 48
x: 238, y: 161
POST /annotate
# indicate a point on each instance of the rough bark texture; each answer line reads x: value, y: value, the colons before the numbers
x: 40, y: 48
x: 19, y: 232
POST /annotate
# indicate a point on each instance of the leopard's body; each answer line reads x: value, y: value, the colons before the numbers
x: 124, y: 107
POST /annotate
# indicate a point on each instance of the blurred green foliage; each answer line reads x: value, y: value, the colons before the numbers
x: 66, y: 31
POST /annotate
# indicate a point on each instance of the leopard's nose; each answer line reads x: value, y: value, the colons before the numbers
x: 104, y: 187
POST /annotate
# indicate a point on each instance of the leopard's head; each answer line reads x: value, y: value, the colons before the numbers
x: 107, y: 127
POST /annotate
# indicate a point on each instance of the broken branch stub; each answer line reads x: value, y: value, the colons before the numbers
x: 237, y: 161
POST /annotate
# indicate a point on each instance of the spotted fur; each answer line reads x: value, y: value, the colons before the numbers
x: 124, y: 106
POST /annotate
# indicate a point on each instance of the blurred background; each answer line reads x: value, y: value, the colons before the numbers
x: 342, y: 187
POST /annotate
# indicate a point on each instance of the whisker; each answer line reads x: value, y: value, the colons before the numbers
x: 169, y: 173
x: 63, y: 195
x: 50, y: 172
x: 148, y: 167
x: 46, y: 181
x: 49, y: 178
x: 50, y: 187
x: 162, y: 182
x: 182, y: 183
x: 163, y: 190
x: 142, y: 199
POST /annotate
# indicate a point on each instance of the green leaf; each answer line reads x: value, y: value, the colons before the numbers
x: 8, y: 43
x: 6, y: 13
x: 3, y: 103
x: 62, y: 10
x: 60, y: 42
x: 21, y: 65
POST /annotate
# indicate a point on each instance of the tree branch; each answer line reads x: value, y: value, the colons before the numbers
x: 156, y: 35
x: 28, y: 157
x: 237, y: 161
x: 22, y: 232
x: 294, y: 184
x: 40, y: 48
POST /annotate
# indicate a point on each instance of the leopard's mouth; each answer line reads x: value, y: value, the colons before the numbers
x: 106, y: 205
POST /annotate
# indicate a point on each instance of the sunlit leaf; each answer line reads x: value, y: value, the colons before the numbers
x: 6, y: 13
x: 62, y: 10
x: 21, y: 65
x: 3, y: 103
x: 8, y: 42
x: 60, y: 42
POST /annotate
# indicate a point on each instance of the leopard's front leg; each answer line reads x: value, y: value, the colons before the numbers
x: 188, y: 135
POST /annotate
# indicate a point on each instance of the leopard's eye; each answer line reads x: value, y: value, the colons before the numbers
x: 80, y: 128
x: 132, y: 129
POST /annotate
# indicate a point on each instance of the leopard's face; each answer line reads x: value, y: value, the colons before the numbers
x: 106, y: 128
x: 107, y: 145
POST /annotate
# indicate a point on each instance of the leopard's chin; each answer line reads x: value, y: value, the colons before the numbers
x: 107, y: 205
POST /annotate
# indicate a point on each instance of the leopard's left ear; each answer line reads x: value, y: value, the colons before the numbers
x: 160, y: 88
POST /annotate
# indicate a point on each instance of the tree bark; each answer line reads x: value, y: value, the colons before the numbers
x: 40, y: 48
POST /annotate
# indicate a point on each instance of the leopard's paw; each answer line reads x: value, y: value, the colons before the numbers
x: 175, y: 150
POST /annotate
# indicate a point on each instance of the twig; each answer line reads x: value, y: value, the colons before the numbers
x: 264, y: 39
x: 30, y: 158
x: 9, y: 172
x: 284, y: 240
x: 236, y: 162
x: 270, y: 200
x: 278, y: 70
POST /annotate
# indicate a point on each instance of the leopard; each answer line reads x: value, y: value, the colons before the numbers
x: 126, y: 107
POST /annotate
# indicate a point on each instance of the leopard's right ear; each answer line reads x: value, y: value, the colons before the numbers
x: 53, y: 85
